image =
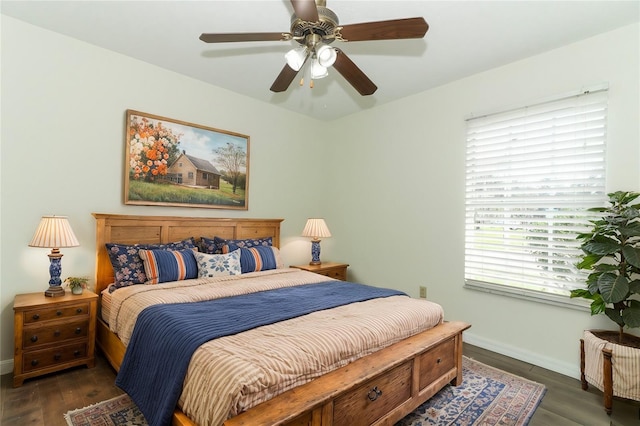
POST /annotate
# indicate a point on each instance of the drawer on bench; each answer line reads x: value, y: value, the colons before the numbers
x: 436, y: 362
x: 367, y: 403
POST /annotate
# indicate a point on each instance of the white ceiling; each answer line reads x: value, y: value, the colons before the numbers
x: 464, y: 38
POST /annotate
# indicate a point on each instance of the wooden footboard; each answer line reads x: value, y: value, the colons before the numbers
x: 378, y: 389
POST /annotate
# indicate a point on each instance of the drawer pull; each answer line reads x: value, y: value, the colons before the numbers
x: 36, y: 316
x: 78, y: 330
x: 58, y: 313
x: 76, y: 353
x: 34, y: 362
x: 57, y: 357
x: 439, y: 361
x: 374, y: 393
x: 56, y: 333
x: 34, y: 338
x: 79, y: 311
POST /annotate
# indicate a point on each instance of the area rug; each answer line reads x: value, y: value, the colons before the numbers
x: 487, y: 397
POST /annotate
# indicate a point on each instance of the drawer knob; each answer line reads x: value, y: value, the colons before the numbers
x: 374, y: 393
x: 56, y: 333
x: 79, y: 311
x: 439, y: 360
x: 57, y: 357
x: 58, y: 313
x: 36, y: 316
x: 76, y: 353
x: 34, y: 362
x: 34, y: 338
x: 78, y: 330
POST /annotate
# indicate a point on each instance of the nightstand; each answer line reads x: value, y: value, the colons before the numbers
x: 328, y: 269
x: 53, y: 333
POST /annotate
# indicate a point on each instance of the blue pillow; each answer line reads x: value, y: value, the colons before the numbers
x: 216, y: 245
x: 126, y: 262
x: 161, y: 266
x: 260, y: 258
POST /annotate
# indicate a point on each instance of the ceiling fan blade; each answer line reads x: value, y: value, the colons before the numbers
x: 230, y: 37
x: 385, y: 30
x: 306, y: 10
x: 284, y: 79
x: 353, y: 74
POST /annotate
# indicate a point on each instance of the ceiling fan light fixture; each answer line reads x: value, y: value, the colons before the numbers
x: 318, y: 71
x: 296, y: 57
x: 326, y: 55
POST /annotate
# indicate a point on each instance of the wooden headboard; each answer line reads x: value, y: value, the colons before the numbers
x: 126, y: 229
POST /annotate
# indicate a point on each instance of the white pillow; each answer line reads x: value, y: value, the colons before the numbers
x: 218, y: 265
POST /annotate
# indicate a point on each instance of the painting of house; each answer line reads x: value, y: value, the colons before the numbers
x: 193, y: 171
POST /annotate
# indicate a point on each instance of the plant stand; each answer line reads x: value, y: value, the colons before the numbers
x: 610, y: 367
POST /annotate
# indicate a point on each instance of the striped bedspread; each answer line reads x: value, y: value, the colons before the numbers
x: 231, y: 374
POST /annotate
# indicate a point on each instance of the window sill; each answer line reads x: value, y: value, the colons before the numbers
x: 532, y: 295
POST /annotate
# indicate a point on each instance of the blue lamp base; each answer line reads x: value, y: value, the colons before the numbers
x: 55, y: 269
x: 315, y: 252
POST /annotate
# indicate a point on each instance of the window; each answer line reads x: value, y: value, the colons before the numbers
x: 531, y: 174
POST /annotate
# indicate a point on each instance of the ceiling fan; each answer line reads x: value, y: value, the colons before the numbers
x: 314, y: 27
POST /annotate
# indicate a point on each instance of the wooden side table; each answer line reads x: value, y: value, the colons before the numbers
x: 328, y: 269
x: 53, y: 333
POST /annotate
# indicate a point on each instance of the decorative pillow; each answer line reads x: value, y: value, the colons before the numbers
x: 258, y: 258
x: 161, y: 266
x: 217, y: 265
x: 216, y: 244
x: 126, y: 262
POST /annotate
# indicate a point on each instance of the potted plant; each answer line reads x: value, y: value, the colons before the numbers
x: 612, y: 254
x: 76, y: 284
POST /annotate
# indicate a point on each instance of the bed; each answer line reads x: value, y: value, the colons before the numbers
x: 373, y: 384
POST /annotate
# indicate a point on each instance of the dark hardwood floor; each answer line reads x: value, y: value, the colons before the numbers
x: 44, y: 400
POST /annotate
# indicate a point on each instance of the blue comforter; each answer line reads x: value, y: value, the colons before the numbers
x: 165, y: 336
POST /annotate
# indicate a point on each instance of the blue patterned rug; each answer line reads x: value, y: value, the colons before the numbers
x: 487, y: 397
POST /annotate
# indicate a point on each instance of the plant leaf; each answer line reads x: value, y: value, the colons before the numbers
x: 631, y: 315
x: 597, y: 306
x: 613, y: 288
x: 634, y: 286
x: 615, y: 316
x: 632, y: 255
x: 588, y: 261
x: 601, y: 245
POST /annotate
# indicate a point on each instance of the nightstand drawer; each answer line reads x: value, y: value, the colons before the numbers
x: 339, y: 274
x: 46, y: 314
x: 38, y: 336
x: 35, y: 360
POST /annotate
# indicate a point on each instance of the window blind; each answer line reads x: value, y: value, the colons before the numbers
x: 531, y: 175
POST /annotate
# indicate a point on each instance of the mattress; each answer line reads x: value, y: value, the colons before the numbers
x: 234, y: 373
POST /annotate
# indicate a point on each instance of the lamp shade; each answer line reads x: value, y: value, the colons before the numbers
x: 54, y: 232
x: 296, y: 57
x: 316, y: 229
x: 326, y: 55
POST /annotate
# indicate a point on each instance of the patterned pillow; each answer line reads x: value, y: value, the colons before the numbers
x: 161, y: 266
x: 126, y: 262
x: 215, y: 245
x: 217, y: 265
x: 259, y: 258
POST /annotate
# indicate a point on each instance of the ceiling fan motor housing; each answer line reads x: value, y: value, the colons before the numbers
x: 325, y: 27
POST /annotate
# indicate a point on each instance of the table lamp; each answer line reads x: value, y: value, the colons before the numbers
x: 316, y: 229
x: 54, y: 232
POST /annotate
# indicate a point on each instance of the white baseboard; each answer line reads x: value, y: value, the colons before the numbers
x: 6, y: 366
x: 552, y: 364
x: 565, y: 368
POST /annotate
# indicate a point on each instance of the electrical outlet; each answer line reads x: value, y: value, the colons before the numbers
x: 423, y: 292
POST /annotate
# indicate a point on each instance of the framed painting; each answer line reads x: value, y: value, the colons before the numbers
x: 174, y: 163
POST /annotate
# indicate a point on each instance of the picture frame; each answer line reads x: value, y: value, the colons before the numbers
x: 174, y: 163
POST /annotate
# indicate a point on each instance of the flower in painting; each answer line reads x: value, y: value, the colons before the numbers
x: 152, y: 147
